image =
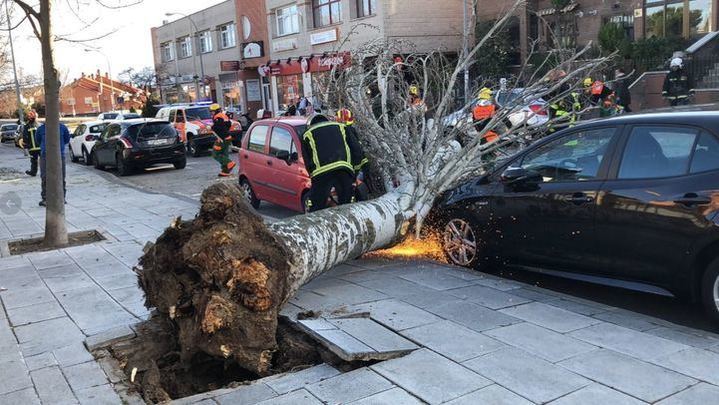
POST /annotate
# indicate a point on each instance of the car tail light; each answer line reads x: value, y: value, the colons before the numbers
x: 538, y: 109
x: 126, y: 143
x: 89, y: 138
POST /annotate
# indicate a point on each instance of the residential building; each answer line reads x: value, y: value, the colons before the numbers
x: 309, y: 37
x: 96, y: 93
x: 255, y: 89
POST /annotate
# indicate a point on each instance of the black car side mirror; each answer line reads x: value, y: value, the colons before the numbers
x: 519, y: 177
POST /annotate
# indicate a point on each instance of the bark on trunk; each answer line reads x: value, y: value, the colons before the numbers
x: 224, y: 276
x: 55, y: 228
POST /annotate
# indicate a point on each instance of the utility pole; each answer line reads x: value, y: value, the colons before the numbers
x: 14, y: 67
x: 465, y: 51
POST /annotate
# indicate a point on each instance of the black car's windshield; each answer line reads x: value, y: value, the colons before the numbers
x: 131, y: 116
x: 151, y: 130
x: 198, y: 113
x: 8, y: 127
x: 109, y: 116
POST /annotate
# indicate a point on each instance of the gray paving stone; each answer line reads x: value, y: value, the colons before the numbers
x: 374, y: 335
x: 574, y: 306
x: 310, y: 301
x: 395, y: 286
x: 628, y: 341
x: 301, y: 397
x: 474, y: 316
x: 35, y: 313
x: 492, y: 395
x: 488, y: 297
x: 527, y: 375
x: 47, y: 335
x: 394, y: 396
x: 550, y: 317
x: 628, y: 375
x: 290, y: 311
x: 431, y: 300
x: 93, y: 310
x: 25, y: 396
x: 349, y: 387
x: 124, y: 279
x: 534, y: 294
x: 23, y: 297
x: 364, y: 275
x: 541, y: 342
x: 66, y: 278
x: 686, y: 336
x: 52, y: 387
x: 72, y: 354
x: 714, y: 349
x: 498, y: 283
x: 99, y: 395
x: 248, y: 394
x: 293, y: 381
x: 42, y: 360
x: 701, y: 393
x: 84, y: 375
x: 109, y: 337
x: 49, y: 259
x: 344, y: 269
x: 20, y: 278
x: 698, y: 363
x: 596, y: 394
x: 431, y: 377
x: 627, y: 319
x: 351, y: 293
x: 452, y: 340
x: 13, y: 376
x: 396, y: 315
x: 436, y: 278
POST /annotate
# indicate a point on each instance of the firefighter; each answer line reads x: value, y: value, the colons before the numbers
x: 415, y: 100
x: 678, y: 85
x: 565, y: 104
x: 30, y: 141
x: 482, y: 112
x: 221, y: 149
x: 332, y: 156
x: 344, y: 116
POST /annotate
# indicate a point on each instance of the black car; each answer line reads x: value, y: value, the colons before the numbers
x: 139, y: 143
x: 634, y: 198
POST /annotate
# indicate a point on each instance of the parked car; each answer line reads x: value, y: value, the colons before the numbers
x: 83, y: 140
x: 7, y: 132
x: 529, y: 111
x: 117, y: 116
x: 270, y: 164
x: 135, y: 144
x: 634, y: 198
x: 194, y: 123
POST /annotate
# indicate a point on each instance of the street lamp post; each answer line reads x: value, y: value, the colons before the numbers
x: 109, y: 72
x: 194, y: 55
x: 20, y: 115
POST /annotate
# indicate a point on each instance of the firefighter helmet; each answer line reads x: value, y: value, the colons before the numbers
x: 344, y: 116
x: 485, y: 94
x: 588, y: 82
x: 31, y: 115
x: 414, y: 90
x: 215, y: 107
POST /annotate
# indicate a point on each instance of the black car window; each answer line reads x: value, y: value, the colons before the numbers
x: 258, y: 138
x: 112, y: 131
x: 172, y: 115
x: 281, y: 141
x: 656, y: 152
x: 108, y: 116
x: 706, y: 154
x: 96, y: 129
x: 574, y: 157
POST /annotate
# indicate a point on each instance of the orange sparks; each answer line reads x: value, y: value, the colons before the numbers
x: 428, y: 247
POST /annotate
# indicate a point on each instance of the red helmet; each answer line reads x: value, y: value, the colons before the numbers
x: 344, y: 116
x: 31, y: 115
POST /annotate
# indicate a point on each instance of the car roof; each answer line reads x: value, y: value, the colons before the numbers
x: 701, y: 118
x: 294, y: 121
x: 90, y: 123
x: 136, y: 121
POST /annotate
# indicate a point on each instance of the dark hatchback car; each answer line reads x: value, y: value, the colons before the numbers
x: 634, y: 198
x: 135, y: 144
x: 7, y: 132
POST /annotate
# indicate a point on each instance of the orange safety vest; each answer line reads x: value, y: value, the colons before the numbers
x: 483, y: 112
x: 491, y: 136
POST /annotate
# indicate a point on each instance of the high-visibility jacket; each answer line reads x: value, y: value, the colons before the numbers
x: 331, y: 146
x: 221, y: 126
x: 483, y: 111
x: 677, y: 85
x: 29, y: 138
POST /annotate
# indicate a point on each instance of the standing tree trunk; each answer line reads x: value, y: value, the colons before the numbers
x: 55, y: 228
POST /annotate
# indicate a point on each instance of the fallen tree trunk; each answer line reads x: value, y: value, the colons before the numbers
x: 223, y: 277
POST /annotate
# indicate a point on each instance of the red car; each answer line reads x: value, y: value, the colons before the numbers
x: 271, y: 164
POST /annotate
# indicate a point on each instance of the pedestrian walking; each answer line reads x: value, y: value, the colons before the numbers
x: 621, y: 90
x: 64, y: 141
x: 302, y: 108
x: 221, y: 149
x: 332, y: 157
x: 30, y: 141
x: 678, y: 84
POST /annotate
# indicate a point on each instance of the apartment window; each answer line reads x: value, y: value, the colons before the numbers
x: 205, y: 41
x: 666, y: 18
x: 326, y: 12
x: 228, y: 36
x: 185, y: 47
x: 166, y: 52
x: 287, y: 21
x: 366, y: 8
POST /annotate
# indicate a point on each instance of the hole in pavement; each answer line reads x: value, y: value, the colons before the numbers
x: 161, y: 375
x: 22, y: 246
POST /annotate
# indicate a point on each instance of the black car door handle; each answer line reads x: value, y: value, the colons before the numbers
x: 691, y: 199
x: 579, y: 199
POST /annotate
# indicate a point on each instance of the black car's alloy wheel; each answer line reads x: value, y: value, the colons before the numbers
x: 122, y: 168
x: 86, y: 157
x: 460, y: 243
x: 710, y: 289
x: 246, y: 188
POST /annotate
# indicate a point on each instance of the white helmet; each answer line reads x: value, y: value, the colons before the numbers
x: 676, y: 62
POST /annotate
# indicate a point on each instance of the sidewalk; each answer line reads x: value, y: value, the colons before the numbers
x: 479, y: 339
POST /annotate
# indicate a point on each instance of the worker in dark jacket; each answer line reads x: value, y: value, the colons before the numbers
x: 30, y: 141
x: 621, y: 90
x: 221, y: 125
x: 678, y: 85
x: 332, y: 156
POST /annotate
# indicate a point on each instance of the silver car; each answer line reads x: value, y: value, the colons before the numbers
x: 8, y: 131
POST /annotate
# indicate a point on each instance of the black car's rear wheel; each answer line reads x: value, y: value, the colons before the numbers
x: 86, y: 157
x: 249, y: 193
x: 73, y: 158
x: 710, y: 290
x: 96, y: 161
x: 122, y: 168
x: 180, y: 163
x: 460, y: 243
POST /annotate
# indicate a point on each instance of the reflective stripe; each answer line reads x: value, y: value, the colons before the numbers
x: 361, y: 164
x: 319, y: 168
x: 33, y: 147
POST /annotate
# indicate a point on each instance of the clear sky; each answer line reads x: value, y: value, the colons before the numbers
x: 129, y: 45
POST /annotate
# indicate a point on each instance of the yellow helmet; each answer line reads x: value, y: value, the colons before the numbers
x: 215, y: 107
x: 414, y: 90
x: 485, y: 94
x: 588, y: 82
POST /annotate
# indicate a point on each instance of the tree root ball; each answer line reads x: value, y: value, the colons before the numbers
x: 221, y: 278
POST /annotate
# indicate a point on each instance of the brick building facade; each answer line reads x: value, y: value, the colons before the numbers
x: 96, y: 93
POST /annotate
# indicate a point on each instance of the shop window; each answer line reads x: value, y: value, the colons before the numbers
x: 366, y: 8
x: 205, y: 41
x: 289, y: 90
x: 666, y: 18
x: 326, y: 12
x: 185, y: 47
x: 287, y: 21
x: 228, y: 36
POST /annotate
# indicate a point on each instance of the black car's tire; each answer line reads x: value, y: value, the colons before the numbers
x: 191, y: 146
x: 180, y: 163
x: 710, y: 290
x: 96, y: 162
x: 122, y: 168
x: 86, y: 157
x: 460, y: 240
x: 249, y: 193
x: 73, y: 158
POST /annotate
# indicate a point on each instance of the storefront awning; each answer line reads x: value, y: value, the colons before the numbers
x: 546, y: 11
x: 549, y: 11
